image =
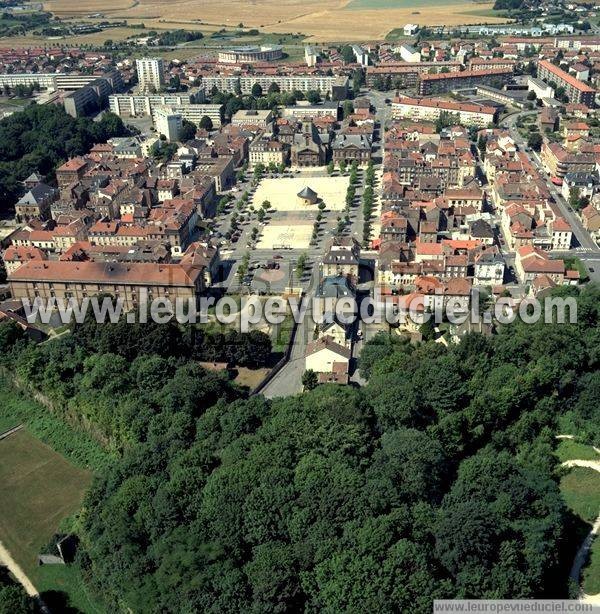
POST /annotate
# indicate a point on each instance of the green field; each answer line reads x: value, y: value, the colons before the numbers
x: 591, y: 572
x: 76, y: 446
x: 571, y: 450
x: 63, y: 589
x: 38, y: 488
x: 581, y: 491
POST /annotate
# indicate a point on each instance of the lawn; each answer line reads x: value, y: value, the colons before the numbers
x: 580, y: 489
x: 74, y: 445
x: 60, y: 583
x: 282, y: 334
x: 591, y: 572
x: 38, y: 489
x: 571, y: 450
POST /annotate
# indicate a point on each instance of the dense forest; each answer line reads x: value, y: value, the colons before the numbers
x: 436, y: 480
x: 41, y: 137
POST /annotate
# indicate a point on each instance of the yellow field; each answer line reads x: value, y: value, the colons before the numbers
x: 320, y: 20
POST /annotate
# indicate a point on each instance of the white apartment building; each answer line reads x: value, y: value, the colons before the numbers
x: 409, y: 54
x: 362, y: 57
x: 59, y: 81
x: 168, y: 122
x: 430, y: 109
x: 136, y: 105
x: 151, y: 73
x: 195, y: 112
x: 337, y: 87
x: 311, y: 57
x: 541, y: 89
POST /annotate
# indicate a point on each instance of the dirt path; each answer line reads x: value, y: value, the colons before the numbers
x: 584, y: 550
x: 595, y: 465
x: 7, y: 560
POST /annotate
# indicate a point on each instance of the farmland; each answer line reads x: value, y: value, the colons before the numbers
x: 326, y: 20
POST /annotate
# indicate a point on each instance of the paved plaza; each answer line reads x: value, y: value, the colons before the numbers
x: 282, y: 193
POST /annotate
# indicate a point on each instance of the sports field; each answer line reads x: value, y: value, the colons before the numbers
x: 38, y: 489
x: 319, y: 20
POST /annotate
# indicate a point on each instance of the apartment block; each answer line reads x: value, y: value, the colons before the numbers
x: 577, y: 91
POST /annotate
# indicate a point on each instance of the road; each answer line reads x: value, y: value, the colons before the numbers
x: 7, y: 560
x: 289, y: 379
x: 582, y: 236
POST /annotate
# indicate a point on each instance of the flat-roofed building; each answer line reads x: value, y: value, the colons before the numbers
x: 409, y: 54
x: 252, y: 117
x: 151, y: 73
x: 335, y: 86
x: 168, y: 122
x: 250, y: 53
x: 541, y: 89
x: 312, y: 111
x: 134, y: 105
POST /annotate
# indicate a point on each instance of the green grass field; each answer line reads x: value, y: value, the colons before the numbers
x: 60, y: 583
x: 581, y: 491
x: 38, y: 488
x: 76, y: 446
x: 570, y: 450
x: 591, y: 572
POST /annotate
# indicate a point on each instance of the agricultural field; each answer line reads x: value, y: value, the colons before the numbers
x: 319, y: 20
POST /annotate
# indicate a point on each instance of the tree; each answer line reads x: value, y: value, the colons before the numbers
x: 535, y: 140
x: 188, y: 131
x: 309, y: 380
x: 436, y: 479
x: 257, y: 91
x: 575, y: 197
x: 274, y: 89
x: 313, y: 96
x: 206, y: 123
x: 347, y: 54
x: 330, y: 168
x: 348, y: 108
x: 42, y: 136
x: 301, y: 265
